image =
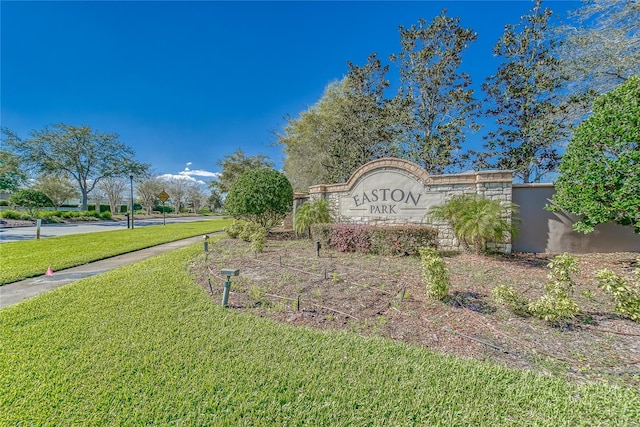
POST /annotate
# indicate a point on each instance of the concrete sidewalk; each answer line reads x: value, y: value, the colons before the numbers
x: 15, y: 292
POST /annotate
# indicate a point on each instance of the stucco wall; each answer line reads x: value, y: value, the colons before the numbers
x: 542, y: 231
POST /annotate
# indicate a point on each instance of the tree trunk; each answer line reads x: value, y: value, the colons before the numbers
x: 85, y: 200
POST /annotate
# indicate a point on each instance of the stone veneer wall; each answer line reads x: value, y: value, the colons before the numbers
x: 436, y: 189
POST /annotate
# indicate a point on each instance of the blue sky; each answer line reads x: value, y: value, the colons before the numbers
x: 187, y: 83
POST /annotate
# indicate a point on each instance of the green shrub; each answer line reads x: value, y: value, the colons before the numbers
x: 15, y: 215
x: 553, y: 308
x: 4, y: 203
x: 59, y: 216
x: 401, y: 240
x: 161, y: 209
x: 477, y: 221
x: 434, y: 273
x: 103, y: 208
x: 509, y: 297
x: 263, y: 196
x: 323, y: 233
x: 316, y: 212
x: 32, y: 200
x: 258, y: 239
x: 394, y: 240
x: 556, y: 304
x: 351, y: 238
x: 248, y: 230
x: 234, y: 230
x: 625, y: 295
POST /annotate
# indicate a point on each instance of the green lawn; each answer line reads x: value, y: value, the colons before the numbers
x: 145, y: 345
x: 20, y: 260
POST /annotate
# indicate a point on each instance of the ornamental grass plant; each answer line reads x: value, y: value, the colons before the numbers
x: 477, y: 221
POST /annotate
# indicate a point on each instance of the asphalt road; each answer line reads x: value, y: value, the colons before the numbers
x: 17, y: 234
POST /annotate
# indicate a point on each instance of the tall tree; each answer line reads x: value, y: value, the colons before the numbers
x: 148, y: 191
x: 11, y: 175
x: 364, y: 122
x: 214, y: 200
x: 524, y: 98
x: 177, y: 188
x: 600, y: 46
x: 349, y: 126
x: 305, y: 144
x: 438, y: 96
x: 233, y: 165
x: 82, y: 154
x: 114, y: 190
x: 600, y: 172
x: 195, y: 197
x: 58, y: 188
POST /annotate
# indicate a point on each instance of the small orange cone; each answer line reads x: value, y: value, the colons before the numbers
x: 49, y: 272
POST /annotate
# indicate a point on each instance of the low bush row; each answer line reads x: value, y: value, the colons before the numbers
x: 52, y: 216
x: 378, y: 240
x: 249, y: 232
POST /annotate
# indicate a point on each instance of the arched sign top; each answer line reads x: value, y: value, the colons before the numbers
x: 405, y: 166
x: 380, y: 164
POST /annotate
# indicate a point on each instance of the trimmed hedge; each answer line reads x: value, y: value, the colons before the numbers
x: 379, y: 240
x: 52, y: 215
x: 103, y: 208
x: 16, y: 215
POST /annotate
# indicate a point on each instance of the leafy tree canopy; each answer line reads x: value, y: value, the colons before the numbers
x: 349, y: 126
x: 32, y: 200
x: 85, y: 155
x: 523, y: 98
x: 437, y: 96
x: 58, y: 188
x: 600, y: 46
x: 148, y: 191
x: 263, y: 196
x: 11, y: 175
x: 233, y: 165
x: 600, y: 172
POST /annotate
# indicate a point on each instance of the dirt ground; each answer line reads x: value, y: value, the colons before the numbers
x: 385, y: 296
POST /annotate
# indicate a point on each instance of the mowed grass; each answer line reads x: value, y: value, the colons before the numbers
x: 20, y: 260
x: 145, y: 345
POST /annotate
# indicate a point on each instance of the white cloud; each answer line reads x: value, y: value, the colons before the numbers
x: 199, y: 172
x: 169, y: 177
x: 191, y: 175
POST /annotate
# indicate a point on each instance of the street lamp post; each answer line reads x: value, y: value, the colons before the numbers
x: 131, y: 179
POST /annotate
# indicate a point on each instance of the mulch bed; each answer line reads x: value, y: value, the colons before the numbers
x: 385, y: 296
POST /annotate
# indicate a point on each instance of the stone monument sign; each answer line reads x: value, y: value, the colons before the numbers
x: 393, y: 191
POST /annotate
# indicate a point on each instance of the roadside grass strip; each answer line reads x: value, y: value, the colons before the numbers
x: 145, y: 345
x: 21, y: 260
